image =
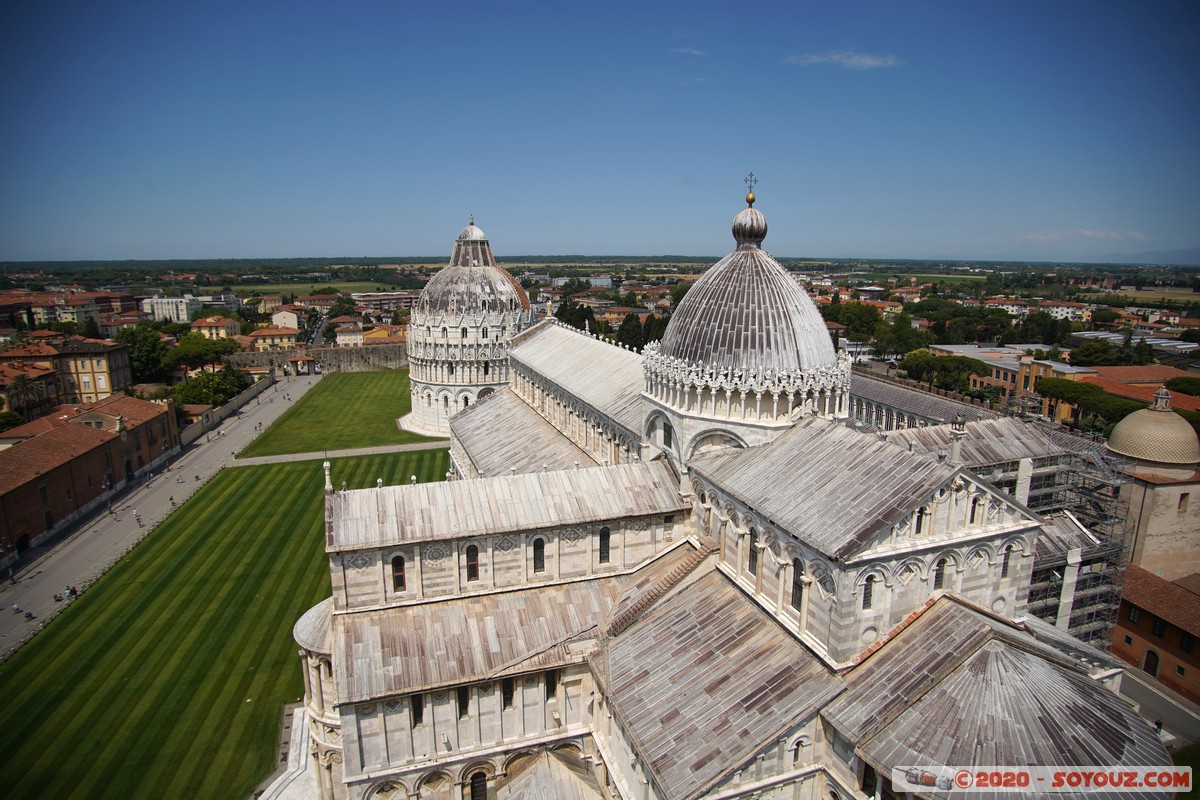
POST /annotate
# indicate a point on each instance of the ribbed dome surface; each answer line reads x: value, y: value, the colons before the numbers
x: 748, y: 313
x: 1155, y: 435
x: 472, y: 281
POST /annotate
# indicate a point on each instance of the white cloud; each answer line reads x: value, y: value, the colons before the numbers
x: 688, y: 51
x: 1111, y: 234
x: 846, y: 59
x: 1074, y: 233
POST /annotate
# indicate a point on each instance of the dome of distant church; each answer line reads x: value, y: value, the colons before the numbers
x: 472, y: 282
x: 748, y: 313
x: 1156, y: 434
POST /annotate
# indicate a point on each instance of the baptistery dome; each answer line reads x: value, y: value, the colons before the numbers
x: 459, y: 333
x: 472, y: 281
x: 747, y: 313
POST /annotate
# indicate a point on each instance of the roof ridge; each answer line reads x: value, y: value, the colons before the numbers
x: 626, y: 618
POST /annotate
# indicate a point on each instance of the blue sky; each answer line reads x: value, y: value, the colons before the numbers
x: 163, y: 129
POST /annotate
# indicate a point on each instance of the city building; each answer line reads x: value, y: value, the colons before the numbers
x: 217, y: 327
x: 86, y: 370
x: 173, y: 309
x: 459, y: 334
x: 273, y: 337
x: 57, y: 469
x: 1158, y: 628
x: 679, y: 575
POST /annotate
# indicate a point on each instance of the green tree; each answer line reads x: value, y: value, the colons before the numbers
x: 677, y: 293
x: 22, y: 394
x: 1105, y: 316
x: 860, y: 321
x: 1096, y: 353
x: 194, y: 351
x: 10, y: 419
x: 91, y: 328
x: 211, y: 388
x: 147, y: 353
x: 1184, y: 385
x: 630, y: 332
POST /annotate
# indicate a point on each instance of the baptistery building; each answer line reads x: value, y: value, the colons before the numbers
x: 678, y: 574
x: 459, y: 333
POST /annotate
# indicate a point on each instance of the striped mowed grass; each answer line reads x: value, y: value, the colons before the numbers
x: 343, y: 411
x: 167, y: 678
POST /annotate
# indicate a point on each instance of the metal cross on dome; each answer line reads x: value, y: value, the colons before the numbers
x: 750, y: 180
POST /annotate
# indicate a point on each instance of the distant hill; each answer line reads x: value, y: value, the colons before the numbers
x: 1179, y: 258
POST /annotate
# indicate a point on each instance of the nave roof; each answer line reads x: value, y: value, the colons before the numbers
x: 502, y: 435
x: 606, y: 377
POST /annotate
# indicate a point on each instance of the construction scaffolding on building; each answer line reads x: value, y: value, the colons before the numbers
x: 1080, y: 564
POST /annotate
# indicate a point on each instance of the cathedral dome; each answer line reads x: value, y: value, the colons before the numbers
x: 748, y: 314
x: 472, y: 282
x: 1156, y: 434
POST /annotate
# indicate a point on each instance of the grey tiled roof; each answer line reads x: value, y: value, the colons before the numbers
x: 960, y: 688
x: 602, y: 375
x: 831, y: 487
x: 991, y: 441
x: 396, y: 651
x: 501, y: 434
x: 704, y: 680
x: 920, y: 404
x: 393, y: 515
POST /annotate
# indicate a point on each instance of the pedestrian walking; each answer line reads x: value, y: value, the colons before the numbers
x: 1158, y: 726
x: 16, y: 609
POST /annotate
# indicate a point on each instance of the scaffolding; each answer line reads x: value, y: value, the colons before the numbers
x: 1092, y: 488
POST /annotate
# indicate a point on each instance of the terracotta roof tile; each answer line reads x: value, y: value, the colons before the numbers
x: 1160, y: 597
x: 25, y: 461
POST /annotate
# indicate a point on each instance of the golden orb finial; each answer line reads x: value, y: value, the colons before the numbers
x: 750, y: 199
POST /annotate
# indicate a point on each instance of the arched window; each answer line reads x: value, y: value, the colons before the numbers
x: 797, y: 583
x: 472, y: 563
x: 486, y: 369
x: 446, y: 404
x: 868, y: 592
x: 539, y: 555
x: 479, y: 790
x: 974, y: 510
x: 449, y: 369
x: 398, y: 574
x: 939, y: 574
x: 668, y: 435
x: 752, y: 558
x: 920, y: 520
x: 1004, y: 562
x: 604, y: 544
x: 485, y: 331
x: 464, y: 333
x: 445, y: 333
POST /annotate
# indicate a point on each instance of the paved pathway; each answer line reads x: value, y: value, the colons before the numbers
x: 440, y: 444
x: 81, y: 557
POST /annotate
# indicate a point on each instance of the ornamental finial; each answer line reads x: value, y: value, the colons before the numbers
x: 472, y: 219
x: 750, y: 180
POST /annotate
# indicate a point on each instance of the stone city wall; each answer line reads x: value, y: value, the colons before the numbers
x: 330, y: 359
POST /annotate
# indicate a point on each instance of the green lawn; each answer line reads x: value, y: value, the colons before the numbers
x: 167, y: 678
x: 344, y: 410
